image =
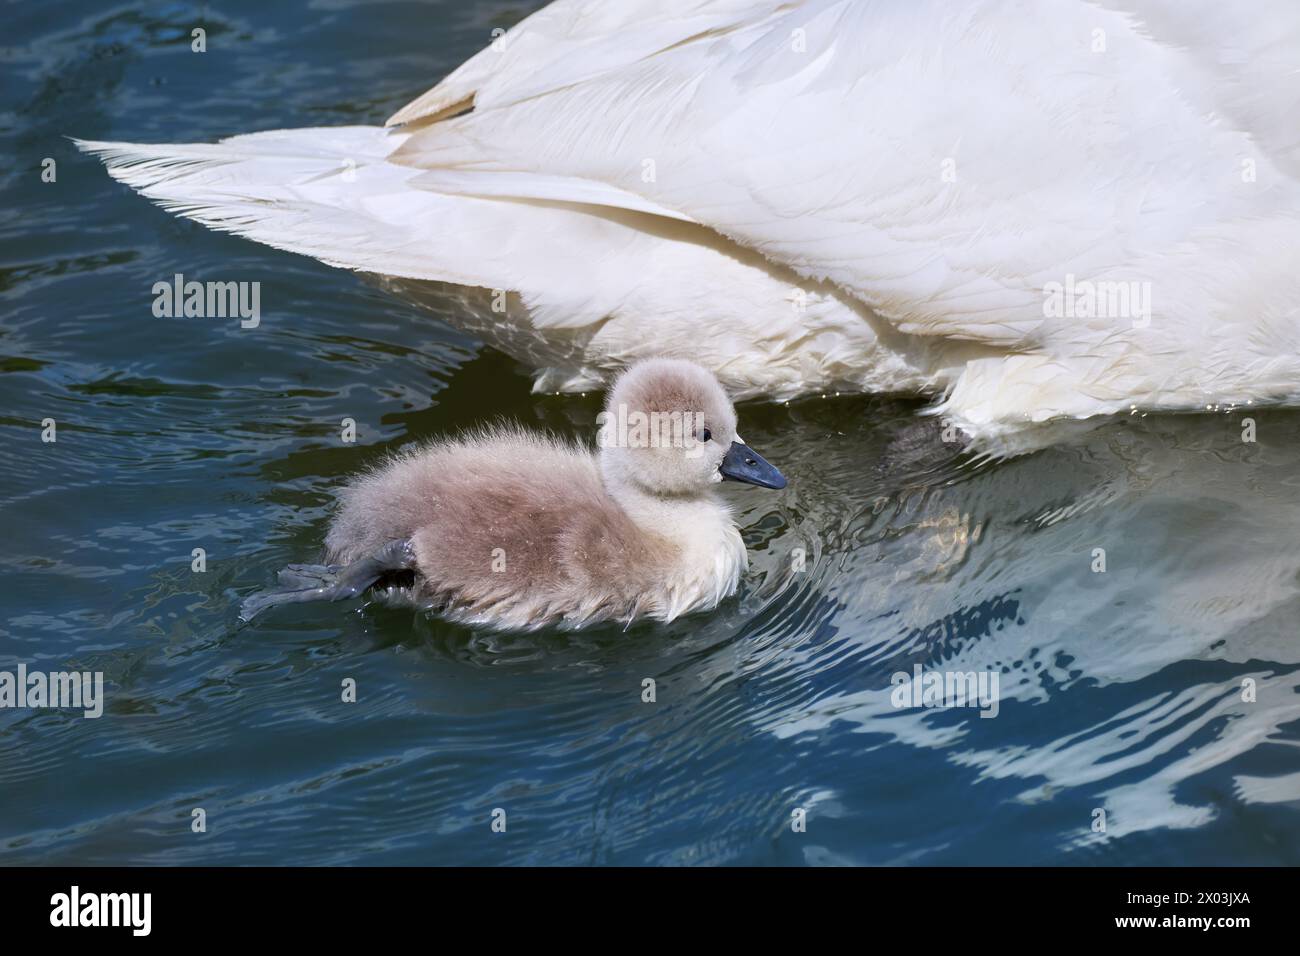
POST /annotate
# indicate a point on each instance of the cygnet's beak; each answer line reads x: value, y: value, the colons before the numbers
x: 744, y: 464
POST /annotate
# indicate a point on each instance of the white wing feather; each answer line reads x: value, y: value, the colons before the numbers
x: 667, y: 176
x: 586, y: 279
x: 944, y: 165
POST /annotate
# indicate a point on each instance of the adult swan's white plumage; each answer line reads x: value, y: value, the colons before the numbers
x: 1032, y: 209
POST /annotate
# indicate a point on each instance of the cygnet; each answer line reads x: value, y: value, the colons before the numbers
x: 516, y: 530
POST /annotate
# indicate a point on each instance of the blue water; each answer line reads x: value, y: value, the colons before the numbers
x: 1120, y: 691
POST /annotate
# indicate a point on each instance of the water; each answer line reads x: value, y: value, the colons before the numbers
x: 1120, y: 691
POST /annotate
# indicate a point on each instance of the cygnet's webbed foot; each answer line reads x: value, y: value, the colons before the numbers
x: 331, y: 582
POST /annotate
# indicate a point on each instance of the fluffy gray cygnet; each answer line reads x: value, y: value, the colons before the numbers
x: 516, y: 530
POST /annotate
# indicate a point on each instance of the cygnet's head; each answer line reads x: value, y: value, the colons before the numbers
x: 669, y: 429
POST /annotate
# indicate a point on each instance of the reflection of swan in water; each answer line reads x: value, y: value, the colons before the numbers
x: 1143, y: 663
x: 1059, y: 210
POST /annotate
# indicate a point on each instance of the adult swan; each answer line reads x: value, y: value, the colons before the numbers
x: 1030, y: 210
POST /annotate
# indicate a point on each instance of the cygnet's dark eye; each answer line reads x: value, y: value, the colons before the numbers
x: 708, y: 435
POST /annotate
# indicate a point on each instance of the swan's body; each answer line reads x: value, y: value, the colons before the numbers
x: 519, y: 531
x: 833, y: 194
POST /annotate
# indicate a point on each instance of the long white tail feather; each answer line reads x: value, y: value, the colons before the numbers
x: 601, y: 282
